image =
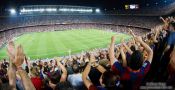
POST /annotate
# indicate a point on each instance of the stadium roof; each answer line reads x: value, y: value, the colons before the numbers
x: 118, y: 4
x: 106, y: 5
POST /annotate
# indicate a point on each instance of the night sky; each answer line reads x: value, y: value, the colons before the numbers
x: 102, y: 4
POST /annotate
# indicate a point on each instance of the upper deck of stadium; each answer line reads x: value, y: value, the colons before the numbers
x: 31, y: 15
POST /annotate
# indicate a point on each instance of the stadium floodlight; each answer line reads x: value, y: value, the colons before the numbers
x: 75, y: 10
x: 24, y: 10
x: 12, y: 11
x: 97, y: 10
x: 51, y: 9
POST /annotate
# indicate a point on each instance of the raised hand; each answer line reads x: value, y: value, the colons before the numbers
x: 12, y: 68
x: 131, y: 32
x: 117, y: 48
x: 11, y: 50
x: 113, y: 38
x: 16, y: 56
x: 139, y: 38
x: 58, y: 59
x: 92, y: 58
x: 19, y: 56
x: 158, y: 29
x: 161, y: 17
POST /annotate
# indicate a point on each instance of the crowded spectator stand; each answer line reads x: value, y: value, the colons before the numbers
x: 144, y: 62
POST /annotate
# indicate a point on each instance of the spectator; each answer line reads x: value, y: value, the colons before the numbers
x: 136, y: 69
x: 108, y: 79
x: 76, y: 78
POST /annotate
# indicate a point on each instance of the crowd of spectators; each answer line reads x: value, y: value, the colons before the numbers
x: 14, y: 26
x: 139, y: 21
x: 146, y: 62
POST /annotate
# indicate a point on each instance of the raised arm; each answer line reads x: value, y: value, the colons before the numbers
x: 134, y: 42
x: 63, y: 69
x: 147, y: 48
x: 163, y: 19
x: 166, y: 23
x: 101, y: 68
x: 81, y: 57
x: 95, y: 64
x: 12, y: 76
x: 155, y: 36
x: 12, y: 67
x: 28, y: 85
x: 124, y: 63
x: 131, y: 32
x: 127, y: 48
x: 111, y: 51
x: 85, y: 73
x: 117, y: 52
x: 19, y: 59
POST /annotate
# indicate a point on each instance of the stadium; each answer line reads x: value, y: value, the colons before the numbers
x: 97, y: 45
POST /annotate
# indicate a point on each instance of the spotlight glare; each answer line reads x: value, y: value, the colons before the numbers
x: 12, y: 11
x: 97, y: 10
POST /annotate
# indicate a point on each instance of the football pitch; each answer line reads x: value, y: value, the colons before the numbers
x: 41, y: 45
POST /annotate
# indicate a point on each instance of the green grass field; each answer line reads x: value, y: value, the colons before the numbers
x: 50, y: 44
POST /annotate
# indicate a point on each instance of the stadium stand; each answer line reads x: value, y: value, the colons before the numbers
x: 14, y: 26
x: 147, y: 61
x: 140, y: 21
x: 131, y: 65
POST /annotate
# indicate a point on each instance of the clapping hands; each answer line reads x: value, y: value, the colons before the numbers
x: 17, y: 55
